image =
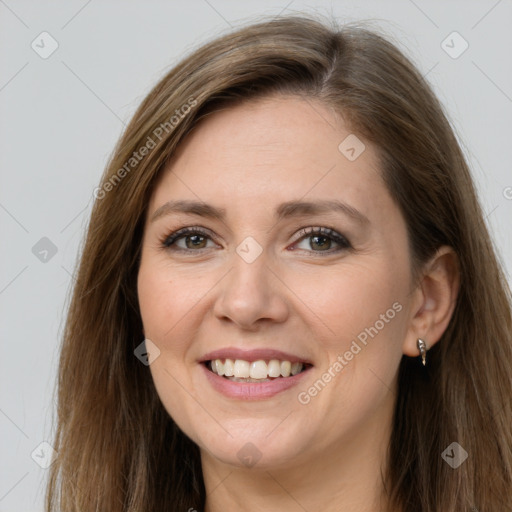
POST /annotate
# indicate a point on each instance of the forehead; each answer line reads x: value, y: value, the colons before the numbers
x: 273, y: 149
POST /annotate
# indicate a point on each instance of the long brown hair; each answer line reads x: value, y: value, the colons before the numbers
x: 118, y: 449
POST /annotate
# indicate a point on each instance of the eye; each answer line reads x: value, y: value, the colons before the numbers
x: 187, y: 239
x: 321, y: 240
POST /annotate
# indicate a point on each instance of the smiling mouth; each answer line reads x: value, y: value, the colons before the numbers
x: 240, y: 370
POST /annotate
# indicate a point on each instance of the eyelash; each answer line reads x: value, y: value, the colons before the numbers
x: 309, y: 232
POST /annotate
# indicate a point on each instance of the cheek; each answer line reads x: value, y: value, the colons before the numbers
x: 155, y: 302
x: 364, y: 313
x: 353, y: 298
x: 167, y: 300
x: 167, y: 310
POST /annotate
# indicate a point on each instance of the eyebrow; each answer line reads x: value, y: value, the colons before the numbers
x: 283, y: 211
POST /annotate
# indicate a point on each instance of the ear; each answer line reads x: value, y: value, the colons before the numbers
x: 434, y: 300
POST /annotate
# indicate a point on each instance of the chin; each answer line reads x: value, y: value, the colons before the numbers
x: 254, y: 448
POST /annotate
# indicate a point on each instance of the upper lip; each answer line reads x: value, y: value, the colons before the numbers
x: 256, y: 354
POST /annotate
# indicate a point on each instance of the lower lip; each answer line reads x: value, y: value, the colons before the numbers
x: 252, y: 390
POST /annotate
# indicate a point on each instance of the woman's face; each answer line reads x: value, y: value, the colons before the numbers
x: 296, y: 260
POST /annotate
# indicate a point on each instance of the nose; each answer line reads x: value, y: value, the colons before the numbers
x: 251, y: 294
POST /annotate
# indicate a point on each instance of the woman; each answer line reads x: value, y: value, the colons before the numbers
x: 290, y: 225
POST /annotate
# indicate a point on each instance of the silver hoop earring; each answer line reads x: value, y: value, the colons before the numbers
x: 422, y: 347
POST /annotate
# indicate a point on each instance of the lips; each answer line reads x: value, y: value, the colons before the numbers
x: 253, y: 374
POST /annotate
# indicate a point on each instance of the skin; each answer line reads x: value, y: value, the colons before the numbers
x: 327, y: 454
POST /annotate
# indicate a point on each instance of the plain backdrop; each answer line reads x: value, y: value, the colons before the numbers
x: 61, y: 115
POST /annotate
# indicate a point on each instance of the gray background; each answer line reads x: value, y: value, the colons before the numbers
x: 61, y: 116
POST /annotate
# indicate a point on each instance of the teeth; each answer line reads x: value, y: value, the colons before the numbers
x: 241, y: 369
x: 219, y: 367
x: 286, y: 368
x: 274, y: 368
x: 296, y: 368
x: 256, y: 371
x: 234, y: 379
x: 229, y: 368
